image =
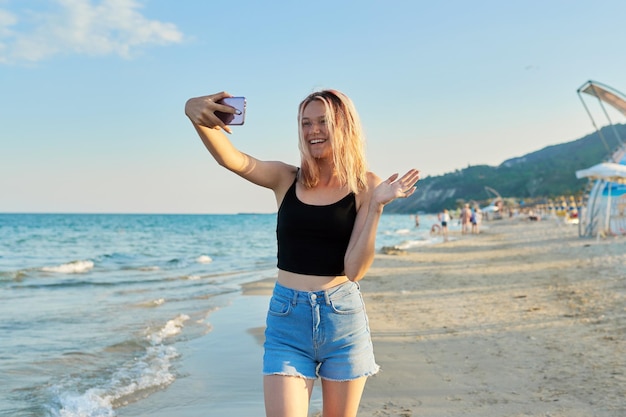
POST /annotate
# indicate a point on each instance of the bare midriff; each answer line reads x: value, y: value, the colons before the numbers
x: 303, y: 282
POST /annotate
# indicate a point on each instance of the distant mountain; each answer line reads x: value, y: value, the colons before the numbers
x: 547, y: 173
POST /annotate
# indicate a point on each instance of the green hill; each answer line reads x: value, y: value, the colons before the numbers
x: 547, y: 173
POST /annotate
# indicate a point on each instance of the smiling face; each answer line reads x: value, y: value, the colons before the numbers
x: 330, y: 136
x: 315, y: 129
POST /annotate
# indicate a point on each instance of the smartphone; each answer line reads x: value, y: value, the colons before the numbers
x: 238, y: 103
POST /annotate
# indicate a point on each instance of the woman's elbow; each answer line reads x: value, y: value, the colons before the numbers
x: 355, y: 277
x: 356, y: 273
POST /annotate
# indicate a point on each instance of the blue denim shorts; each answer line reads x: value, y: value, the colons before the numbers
x: 322, y: 333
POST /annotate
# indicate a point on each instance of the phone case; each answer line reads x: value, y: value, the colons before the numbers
x: 239, y: 103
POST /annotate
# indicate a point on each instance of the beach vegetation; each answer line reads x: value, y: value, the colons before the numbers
x: 545, y: 174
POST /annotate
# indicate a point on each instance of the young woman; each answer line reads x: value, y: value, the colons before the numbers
x: 328, y: 212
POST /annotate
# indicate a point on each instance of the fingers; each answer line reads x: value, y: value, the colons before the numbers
x: 394, y: 187
x: 392, y: 178
x: 219, y: 96
x: 409, y: 179
x: 201, y: 110
x: 411, y: 175
x: 406, y: 184
x: 409, y: 192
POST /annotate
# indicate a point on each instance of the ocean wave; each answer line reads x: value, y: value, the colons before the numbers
x: 152, y: 303
x: 133, y: 381
x: 171, y: 328
x: 149, y: 268
x: 13, y: 275
x: 74, y: 267
x: 204, y: 259
x: 414, y: 243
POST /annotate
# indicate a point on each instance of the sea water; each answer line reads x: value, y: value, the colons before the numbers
x: 94, y: 307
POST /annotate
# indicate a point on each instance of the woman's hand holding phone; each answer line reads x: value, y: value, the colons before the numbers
x: 216, y: 111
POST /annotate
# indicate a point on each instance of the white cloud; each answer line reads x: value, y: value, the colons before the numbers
x: 81, y: 27
x: 6, y: 21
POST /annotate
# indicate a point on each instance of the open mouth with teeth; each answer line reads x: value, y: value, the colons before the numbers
x: 316, y: 141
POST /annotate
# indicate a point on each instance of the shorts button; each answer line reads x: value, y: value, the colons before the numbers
x: 313, y: 297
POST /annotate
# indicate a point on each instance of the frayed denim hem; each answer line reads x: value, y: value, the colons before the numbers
x: 365, y: 375
x: 297, y: 375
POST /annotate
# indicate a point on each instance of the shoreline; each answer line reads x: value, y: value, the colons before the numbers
x: 524, y: 319
x: 219, y: 373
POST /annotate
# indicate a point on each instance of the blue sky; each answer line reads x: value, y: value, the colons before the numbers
x: 92, y: 92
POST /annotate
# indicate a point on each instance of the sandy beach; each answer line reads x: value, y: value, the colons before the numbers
x: 525, y: 319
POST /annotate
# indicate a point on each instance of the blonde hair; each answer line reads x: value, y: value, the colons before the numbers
x: 346, y: 136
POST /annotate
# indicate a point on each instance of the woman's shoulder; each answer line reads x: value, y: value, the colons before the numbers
x: 365, y: 194
x: 372, y: 180
x: 288, y: 174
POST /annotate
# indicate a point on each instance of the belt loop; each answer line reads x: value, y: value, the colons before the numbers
x: 327, y: 297
x: 294, y: 300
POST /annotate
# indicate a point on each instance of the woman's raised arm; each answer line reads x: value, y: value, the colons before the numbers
x: 360, y: 253
x: 201, y: 112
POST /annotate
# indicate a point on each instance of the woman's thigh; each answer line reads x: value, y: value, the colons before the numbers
x: 287, y: 396
x: 342, y: 398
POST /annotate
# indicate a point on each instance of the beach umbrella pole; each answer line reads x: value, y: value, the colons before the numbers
x: 608, y: 209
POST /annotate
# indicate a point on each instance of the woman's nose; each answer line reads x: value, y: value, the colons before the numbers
x: 316, y: 127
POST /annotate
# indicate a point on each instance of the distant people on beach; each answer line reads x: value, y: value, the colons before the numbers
x: 444, y: 219
x: 532, y: 216
x: 328, y: 212
x: 417, y: 220
x: 465, y: 217
x: 476, y: 219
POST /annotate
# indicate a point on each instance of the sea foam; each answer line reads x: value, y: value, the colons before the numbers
x: 131, y: 382
x: 75, y: 267
x: 204, y: 259
x: 171, y: 328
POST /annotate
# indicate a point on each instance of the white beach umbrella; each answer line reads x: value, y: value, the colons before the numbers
x: 608, y: 172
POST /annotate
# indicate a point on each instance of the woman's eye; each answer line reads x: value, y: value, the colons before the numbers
x: 306, y: 124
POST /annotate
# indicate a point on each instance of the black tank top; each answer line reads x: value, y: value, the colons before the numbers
x: 312, y: 240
